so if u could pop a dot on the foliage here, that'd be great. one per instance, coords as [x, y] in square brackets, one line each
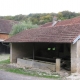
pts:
[21, 26]
[42, 18]
[68, 14]
[60, 16]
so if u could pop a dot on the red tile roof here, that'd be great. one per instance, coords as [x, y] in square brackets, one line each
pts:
[6, 25]
[49, 24]
[63, 22]
[63, 32]
[69, 21]
[59, 34]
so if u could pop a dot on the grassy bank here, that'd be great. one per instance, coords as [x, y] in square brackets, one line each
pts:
[5, 61]
[33, 73]
[4, 66]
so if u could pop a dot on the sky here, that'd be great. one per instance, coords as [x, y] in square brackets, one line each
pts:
[25, 7]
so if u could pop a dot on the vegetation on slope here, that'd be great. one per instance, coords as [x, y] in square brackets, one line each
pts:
[42, 18]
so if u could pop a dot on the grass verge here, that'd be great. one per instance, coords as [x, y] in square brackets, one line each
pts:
[5, 61]
[33, 73]
[3, 65]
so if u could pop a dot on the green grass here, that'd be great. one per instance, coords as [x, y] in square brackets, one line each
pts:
[5, 61]
[3, 65]
[33, 73]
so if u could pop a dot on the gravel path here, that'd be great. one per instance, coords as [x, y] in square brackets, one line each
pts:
[12, 76]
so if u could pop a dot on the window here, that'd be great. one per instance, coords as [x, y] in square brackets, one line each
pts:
[53, 48]
[49, 49]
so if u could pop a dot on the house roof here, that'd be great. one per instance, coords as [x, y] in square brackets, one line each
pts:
[49, 24]
[6, 25]
[59, 34]
[63, 22]
[66, 31]
[71, 21]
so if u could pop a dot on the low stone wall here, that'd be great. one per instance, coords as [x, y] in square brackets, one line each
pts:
[36, 64]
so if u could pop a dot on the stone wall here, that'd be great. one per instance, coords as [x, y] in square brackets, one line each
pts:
[20, 50]
[36, 64]
[75, 57]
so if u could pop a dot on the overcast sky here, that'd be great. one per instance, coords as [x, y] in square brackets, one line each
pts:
[15, 7]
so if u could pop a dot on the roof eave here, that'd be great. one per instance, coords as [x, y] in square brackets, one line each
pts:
[76, 39]
[33, 42]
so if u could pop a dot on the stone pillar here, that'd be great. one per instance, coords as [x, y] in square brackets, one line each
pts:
[78, 56]
[10, 52]
[75, 57]
[58, 65]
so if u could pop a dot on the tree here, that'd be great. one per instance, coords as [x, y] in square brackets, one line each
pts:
[60, 16]
[68, 14]
[42, 18]
[21, 26]
[19, 17]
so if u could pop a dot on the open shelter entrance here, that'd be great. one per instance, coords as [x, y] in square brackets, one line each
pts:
[45, 52]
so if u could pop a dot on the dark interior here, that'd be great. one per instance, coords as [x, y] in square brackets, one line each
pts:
[4, 48]
[52, 51]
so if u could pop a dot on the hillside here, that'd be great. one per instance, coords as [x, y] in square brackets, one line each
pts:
[41, 18]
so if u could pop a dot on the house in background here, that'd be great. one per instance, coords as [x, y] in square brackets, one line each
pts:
[41, 46]
[75, 20]
[5, 28]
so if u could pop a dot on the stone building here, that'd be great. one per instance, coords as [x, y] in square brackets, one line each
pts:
[47, 43]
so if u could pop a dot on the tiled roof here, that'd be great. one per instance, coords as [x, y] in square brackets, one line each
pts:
[49, 24]
[63, 22]
[6, 25]
[69, 21]
[59, 34]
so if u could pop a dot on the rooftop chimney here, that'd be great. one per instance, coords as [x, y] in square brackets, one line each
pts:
[54, 20]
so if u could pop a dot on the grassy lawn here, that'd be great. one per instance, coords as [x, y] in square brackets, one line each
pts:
[3, 65]
[33, 73]
[5, 61]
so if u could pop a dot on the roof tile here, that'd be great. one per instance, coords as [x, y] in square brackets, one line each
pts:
[62, 34]
[6, 25]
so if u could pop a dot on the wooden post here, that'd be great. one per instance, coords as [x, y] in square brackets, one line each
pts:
[33, 51]
[58, 65]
